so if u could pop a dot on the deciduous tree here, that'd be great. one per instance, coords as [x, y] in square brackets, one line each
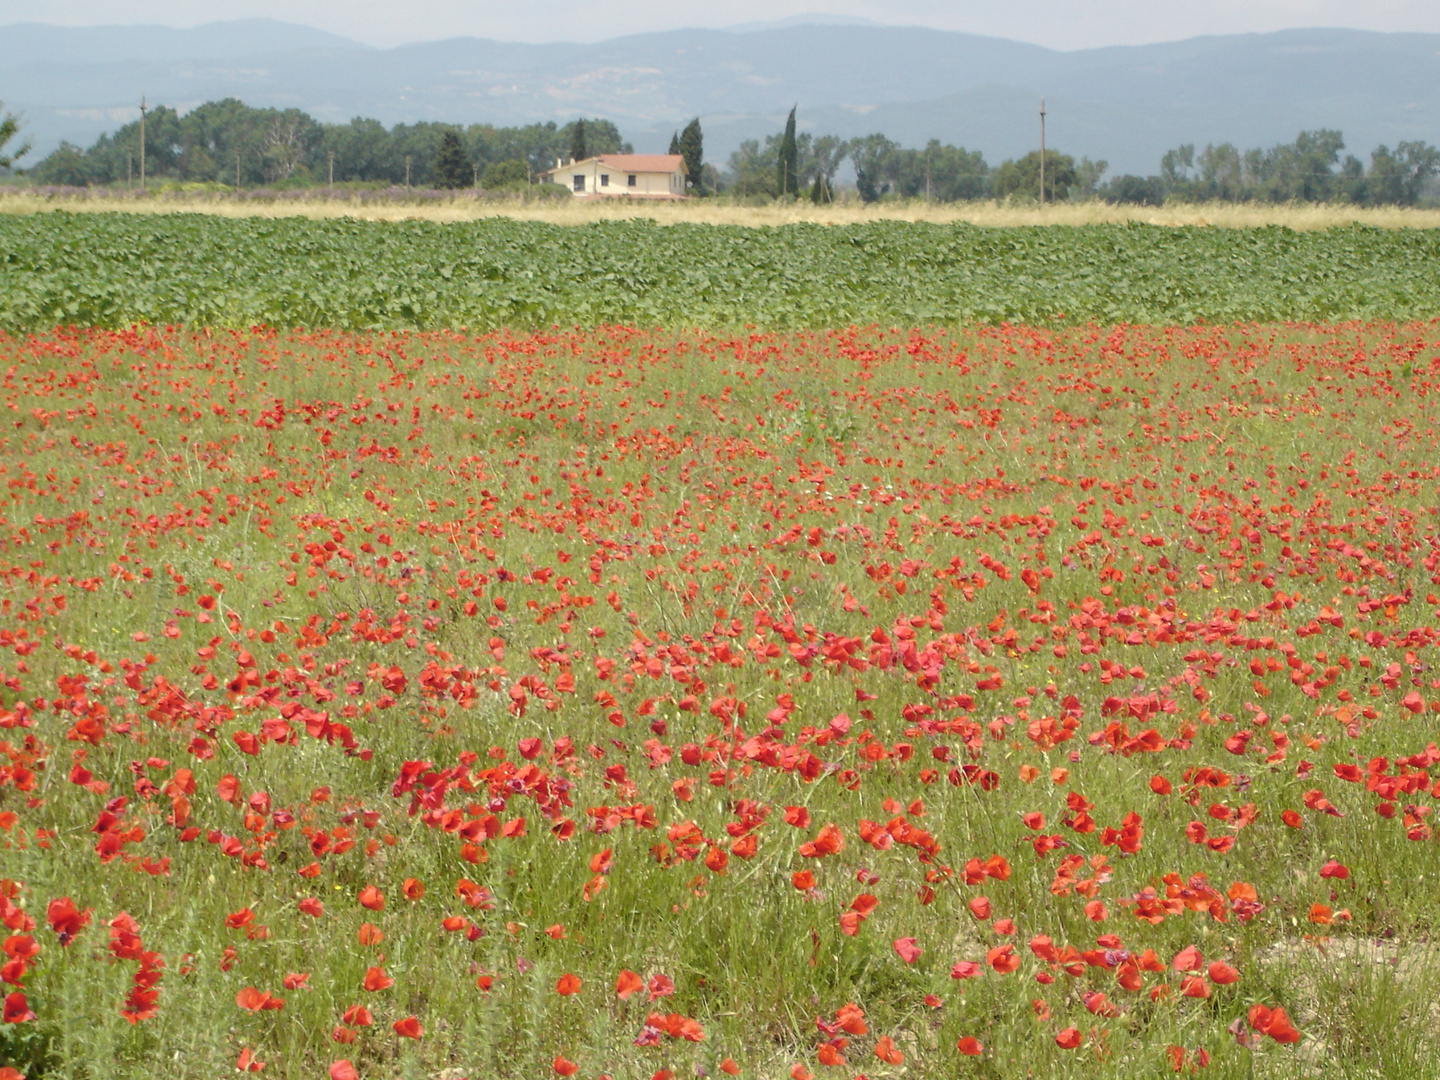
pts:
[9, 128]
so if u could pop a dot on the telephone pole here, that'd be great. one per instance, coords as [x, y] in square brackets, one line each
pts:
[142, 142]
[407, 174]
[1042, 151]
[332, 168]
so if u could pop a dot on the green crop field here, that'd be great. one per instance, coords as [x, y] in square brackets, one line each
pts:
[116, 270]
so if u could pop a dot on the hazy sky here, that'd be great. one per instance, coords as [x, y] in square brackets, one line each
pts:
[1062, 24]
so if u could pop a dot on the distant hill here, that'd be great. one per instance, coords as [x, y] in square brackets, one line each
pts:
[39, 43]
[1127, 105]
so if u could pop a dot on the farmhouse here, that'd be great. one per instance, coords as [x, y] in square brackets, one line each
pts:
[645, 176]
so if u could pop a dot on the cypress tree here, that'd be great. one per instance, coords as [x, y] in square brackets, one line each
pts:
[787, 172]
[692, 146]
[674, 143]
[451, 170]
[577, 141]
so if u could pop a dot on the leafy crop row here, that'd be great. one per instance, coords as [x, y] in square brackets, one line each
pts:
[112, 271]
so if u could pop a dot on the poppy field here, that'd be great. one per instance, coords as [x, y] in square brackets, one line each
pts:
[1003, 702]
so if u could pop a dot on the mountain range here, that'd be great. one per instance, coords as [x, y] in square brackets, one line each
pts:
[1126, 104]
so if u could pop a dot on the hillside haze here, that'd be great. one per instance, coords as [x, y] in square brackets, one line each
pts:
[1124, 104]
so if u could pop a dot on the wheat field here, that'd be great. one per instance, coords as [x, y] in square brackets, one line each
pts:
[990, 213]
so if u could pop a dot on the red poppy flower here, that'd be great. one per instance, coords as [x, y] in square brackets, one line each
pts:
[1222, 974]
[254, 1000]
[1273, 1022]
[247, 1061]
[343, 1070]
[850, 1018]
[567, 985]
[17, 1009]
[887, 1052]
[970, 1046]
[1003, 959]
[372, 898]
[1188, 959]
[907, 949]
[1069, 1039]
[409, 1028]
[627, 984]
[65, 920]
[376, 979]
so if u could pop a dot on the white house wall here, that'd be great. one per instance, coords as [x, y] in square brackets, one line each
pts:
[645, 183]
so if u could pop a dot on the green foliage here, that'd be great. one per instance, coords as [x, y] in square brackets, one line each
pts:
[288, 147]
[452, 169]
[691, 145]
[873, 156]
[1308, 170]
[579, 150]
[753, 168]
[787, 160]
[505, 174]
[1022, 177]
[9, 128]
[114, 270]
[1397, 178]
[1134, 190]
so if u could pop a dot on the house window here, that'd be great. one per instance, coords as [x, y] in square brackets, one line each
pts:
[604, 179]
[630, 181]
[579, 183]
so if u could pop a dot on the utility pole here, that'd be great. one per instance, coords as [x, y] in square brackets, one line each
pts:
[1042, 152]
[142, 142]
[332, 168]
[237, 168]
[129, 170]
[927, 175]
[407, 174]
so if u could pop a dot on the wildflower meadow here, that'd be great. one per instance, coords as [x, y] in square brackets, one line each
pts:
[617, 702]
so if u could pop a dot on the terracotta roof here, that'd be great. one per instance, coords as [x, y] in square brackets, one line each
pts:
[650, 163]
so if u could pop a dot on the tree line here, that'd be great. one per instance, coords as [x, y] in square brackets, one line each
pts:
[229, 142]
[232, 143]
[1310, 169]
[806, 165]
